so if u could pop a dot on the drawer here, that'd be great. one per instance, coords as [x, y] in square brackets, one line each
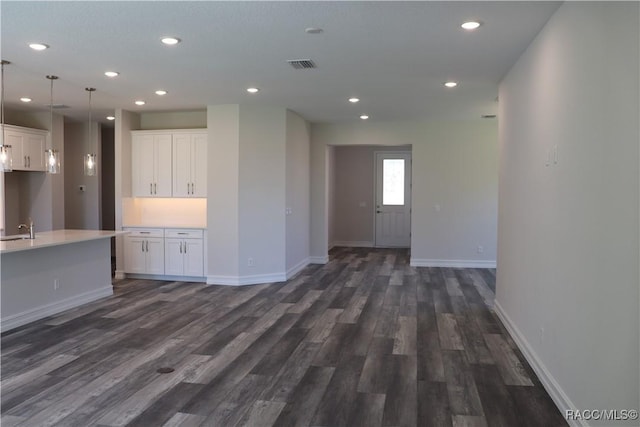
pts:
[145, 232]
[184, 233]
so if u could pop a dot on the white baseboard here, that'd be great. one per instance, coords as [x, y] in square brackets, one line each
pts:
[119, 275]
[46, 310]
[319, 259]
[452, 263]
[256, 279]
[550, 384]
[354, 243]
[199, 279]
[297, 268]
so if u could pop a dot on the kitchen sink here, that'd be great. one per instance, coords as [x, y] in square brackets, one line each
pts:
[13, 238]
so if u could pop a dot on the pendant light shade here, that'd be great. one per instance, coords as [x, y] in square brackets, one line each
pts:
[53, 156]
[5, 150]
[90, 164]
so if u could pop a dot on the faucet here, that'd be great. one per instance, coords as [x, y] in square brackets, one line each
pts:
[32, 233]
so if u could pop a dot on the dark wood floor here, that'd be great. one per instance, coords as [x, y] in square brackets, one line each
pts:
[364, 340]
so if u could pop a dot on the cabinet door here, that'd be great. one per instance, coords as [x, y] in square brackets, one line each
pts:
[155, 255]
[193, 258]
[134, 255]
[142, 165]
[173, 257]
[182, 165]
[19, 159]
[199, 165]
[162, 170]
[33, 148]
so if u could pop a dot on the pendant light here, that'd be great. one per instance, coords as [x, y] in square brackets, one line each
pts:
[90, 165]
[5, 150]
[53, 156]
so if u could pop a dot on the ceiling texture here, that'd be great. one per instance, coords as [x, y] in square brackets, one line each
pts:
[394, 56]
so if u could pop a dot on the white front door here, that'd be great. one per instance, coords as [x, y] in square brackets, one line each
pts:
[393, 199]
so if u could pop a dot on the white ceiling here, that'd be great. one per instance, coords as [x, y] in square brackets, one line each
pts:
[394, 56]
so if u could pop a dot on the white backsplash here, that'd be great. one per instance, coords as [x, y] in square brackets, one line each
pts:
[160, 212]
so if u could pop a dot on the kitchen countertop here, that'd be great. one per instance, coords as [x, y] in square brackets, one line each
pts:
[55, 238]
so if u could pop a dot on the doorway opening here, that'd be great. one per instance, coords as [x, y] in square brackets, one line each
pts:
[352, 198]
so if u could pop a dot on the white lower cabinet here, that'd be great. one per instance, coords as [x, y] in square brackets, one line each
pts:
[144, 251]
[168, 252]
[183, 252]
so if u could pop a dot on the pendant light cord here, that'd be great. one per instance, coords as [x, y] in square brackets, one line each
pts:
[90, 90]
[51, 79]
[2, 98]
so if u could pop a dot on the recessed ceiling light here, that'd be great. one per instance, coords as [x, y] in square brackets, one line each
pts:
[170, 40]
[161, 92]
[110, 118]
[38, 46]
[140, 102]
[111, 73]
[313, 30]
[253, 90]
[364, 117]
[451, 84]
[471, 25]
[354, 100]
[25, 99]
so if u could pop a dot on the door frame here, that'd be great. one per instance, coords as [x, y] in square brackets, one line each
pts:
[408, 152]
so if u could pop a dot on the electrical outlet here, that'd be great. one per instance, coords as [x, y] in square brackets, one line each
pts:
[250, 262]
[56, 284]
[480, 249]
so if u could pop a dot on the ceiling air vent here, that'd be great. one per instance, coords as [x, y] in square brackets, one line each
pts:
[301, 64]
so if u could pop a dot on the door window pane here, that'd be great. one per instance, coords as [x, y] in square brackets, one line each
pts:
[393, 182]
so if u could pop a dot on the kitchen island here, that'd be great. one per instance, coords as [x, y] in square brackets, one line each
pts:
[56, 271]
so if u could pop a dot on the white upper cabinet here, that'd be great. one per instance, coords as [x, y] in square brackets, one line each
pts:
[190, 165]
[27, 147]
[169, 163]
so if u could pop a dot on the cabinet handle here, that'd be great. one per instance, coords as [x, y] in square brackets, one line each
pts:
[185, 247]
[147, 246]
[155, 188]
[29, 161]
[25, 161]
[150, 188]
[142, 246]
[193, 189]
[188, 191]
[180, 247]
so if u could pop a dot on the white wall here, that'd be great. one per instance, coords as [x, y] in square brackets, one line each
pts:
[329, 199]
[454, 166]
[83, 209]
[223, 124]
[262, 190]
[124, 123]
[173, 120]
[297, 192]
[568, 248]
[246, 194]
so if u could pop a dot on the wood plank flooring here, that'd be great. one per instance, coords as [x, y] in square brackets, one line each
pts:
[365, 340]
